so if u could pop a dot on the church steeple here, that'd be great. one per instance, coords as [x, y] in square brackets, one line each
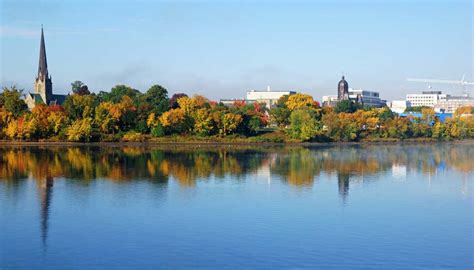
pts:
[43, 63]
[43, 83]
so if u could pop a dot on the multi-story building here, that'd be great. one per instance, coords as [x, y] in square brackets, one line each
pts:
[330, 100]
[399, 106]
[439, 101]
[364, 97]
[426, 98]
[367, 98]
[269, 97]
[449, 104]
[232, 101]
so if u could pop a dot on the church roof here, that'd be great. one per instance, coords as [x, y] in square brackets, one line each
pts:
[59, 99]
[35, 97]
[55, 99]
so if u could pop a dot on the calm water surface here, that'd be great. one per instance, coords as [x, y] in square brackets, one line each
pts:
[378, 207]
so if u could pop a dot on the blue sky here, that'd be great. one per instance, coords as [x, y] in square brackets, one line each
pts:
[223, 48]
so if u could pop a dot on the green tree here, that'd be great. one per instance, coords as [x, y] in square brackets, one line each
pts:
[119, 91]
[398, 128]
[157, 98]
[84, 90]
[385, 113]
[156, 101]
[345, 106]
[281, 103]
[254, 124]
[303, 125]
[10, 99]
[76, 86]
[280, 116]
[80, 106]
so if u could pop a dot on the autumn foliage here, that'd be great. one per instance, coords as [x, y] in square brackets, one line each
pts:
[126, 114]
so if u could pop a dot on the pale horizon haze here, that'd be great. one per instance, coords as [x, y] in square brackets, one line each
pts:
[221, 49]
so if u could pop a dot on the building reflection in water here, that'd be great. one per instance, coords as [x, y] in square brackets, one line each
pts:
[343, 185]
[46, 193]
[295, 166]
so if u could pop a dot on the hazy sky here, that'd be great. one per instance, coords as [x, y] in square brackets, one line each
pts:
[221, 49]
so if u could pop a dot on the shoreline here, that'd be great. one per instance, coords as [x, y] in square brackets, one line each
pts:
[230, 143]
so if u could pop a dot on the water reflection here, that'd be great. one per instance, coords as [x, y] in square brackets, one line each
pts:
[297, 166]
[46, 192]
[186, 165]
[343, 185]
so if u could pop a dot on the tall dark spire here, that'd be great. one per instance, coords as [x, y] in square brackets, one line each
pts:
[43, 64]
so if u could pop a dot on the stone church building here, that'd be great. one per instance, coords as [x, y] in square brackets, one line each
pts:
[43, 85]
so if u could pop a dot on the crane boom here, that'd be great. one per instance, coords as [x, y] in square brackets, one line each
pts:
[461, 82]
[434, 81]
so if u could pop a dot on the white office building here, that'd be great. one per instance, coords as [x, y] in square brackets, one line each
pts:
[330, 100]
[426, 98]
[232, 102]
[269, 97]
[399, 106]
[368, 98]
[449, 104]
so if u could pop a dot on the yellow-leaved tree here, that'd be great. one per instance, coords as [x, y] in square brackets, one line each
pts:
[463, 110]
[229, 123]
[80, 130]
[299, 101]
[203, 122]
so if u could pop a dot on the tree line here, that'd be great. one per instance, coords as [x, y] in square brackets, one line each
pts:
[126, 114]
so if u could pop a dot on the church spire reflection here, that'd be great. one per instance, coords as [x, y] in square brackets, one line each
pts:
[343, 185]
[46, 193]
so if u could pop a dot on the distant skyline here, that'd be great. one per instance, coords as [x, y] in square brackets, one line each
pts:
[221, 49]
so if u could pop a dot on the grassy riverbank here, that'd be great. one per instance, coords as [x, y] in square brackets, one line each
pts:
[273, 138]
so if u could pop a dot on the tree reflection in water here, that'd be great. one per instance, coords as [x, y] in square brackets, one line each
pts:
[296, 166]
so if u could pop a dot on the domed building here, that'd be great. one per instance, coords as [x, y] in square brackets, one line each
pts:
[342, 89]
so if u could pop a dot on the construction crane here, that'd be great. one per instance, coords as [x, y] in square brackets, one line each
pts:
[461, 82]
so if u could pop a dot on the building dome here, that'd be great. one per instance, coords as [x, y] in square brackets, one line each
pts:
[342, 89]
[343, 83]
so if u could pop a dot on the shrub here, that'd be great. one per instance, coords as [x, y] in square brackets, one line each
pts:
[158, 131]
[133, 136]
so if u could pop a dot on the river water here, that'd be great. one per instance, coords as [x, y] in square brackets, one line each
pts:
[338, 207]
